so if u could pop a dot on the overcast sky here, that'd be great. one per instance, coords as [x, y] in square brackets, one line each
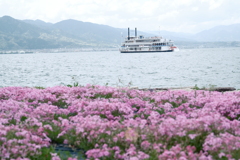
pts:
[190, 16]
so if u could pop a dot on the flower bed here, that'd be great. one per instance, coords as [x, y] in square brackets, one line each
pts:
[119, 123]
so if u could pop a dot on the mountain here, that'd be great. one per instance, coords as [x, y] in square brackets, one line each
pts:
[220, 33]
[94, 33]
[90, 32]
[86, 31]
[39, 23]
[65, 34]
[175, 36]
[16, 34]
[37, 34]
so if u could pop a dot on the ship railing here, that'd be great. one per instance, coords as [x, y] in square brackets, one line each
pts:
[154, 37]
[160, 45]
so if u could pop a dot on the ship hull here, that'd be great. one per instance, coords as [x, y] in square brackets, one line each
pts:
[145, 51]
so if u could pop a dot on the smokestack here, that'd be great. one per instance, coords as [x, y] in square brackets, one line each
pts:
[135, 32]
[128, 33]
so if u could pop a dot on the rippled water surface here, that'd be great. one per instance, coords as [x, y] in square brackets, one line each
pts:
[186, 68]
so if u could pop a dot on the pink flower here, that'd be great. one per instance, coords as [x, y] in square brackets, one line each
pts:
[55, 156]
[65, 141]
[133, 158]
[220, 155]
[192, 136]
[70, 158]
[145, 145]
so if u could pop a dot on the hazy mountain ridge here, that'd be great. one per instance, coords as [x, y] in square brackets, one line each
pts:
[216, 34]
[16, 34]
[37, 34]
[39, 23]
[221, 33]
[89, 32]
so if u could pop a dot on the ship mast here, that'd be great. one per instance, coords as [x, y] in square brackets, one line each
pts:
[136, 32]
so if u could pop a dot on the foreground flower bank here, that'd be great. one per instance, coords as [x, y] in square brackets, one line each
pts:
[103, 122]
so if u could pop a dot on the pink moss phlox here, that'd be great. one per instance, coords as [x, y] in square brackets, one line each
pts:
[126, 123]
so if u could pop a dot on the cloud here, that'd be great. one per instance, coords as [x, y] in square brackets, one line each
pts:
[195, 8]
[168, 16]
[213, 4]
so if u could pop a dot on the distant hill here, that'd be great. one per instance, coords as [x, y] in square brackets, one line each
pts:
[37, 34]
[16, 34]
[88, 32]
[175, 36]
[39, 23]
[220, 33]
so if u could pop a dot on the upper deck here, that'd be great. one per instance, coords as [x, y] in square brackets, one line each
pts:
[142, 39]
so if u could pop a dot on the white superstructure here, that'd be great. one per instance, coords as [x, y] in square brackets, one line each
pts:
[139, 44]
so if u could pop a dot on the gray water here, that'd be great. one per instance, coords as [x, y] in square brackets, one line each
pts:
[188, 67]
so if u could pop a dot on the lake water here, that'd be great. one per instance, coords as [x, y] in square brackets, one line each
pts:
[186, 68]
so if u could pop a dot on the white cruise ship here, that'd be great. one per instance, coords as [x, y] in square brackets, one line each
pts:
[140, 44]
